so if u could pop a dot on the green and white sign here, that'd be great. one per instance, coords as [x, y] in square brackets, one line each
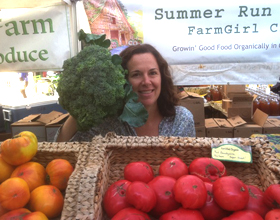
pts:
[189, 32]
[34, 39]
[232, 153]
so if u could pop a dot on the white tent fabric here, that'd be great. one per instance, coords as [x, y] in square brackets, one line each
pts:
[8, 4]
[226, 73]
[183, 74]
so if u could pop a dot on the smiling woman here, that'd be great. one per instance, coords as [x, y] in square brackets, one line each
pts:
[150, 78]
[145, 78]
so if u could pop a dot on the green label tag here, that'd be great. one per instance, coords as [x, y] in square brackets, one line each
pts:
[233, 153]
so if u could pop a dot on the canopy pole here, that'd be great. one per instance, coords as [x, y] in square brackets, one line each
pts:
[74, 28]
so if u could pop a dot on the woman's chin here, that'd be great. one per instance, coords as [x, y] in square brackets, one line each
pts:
[148, 105]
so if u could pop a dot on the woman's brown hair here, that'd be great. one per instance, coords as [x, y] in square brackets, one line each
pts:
[168, 97]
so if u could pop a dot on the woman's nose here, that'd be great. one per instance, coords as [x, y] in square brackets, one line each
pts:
[146, 79]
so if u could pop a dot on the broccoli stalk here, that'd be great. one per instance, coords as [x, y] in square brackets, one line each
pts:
[92, 87]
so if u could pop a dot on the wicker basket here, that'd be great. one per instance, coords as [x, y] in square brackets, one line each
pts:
[78, 198]
[122, 150]
[78, 202]
[101, 162]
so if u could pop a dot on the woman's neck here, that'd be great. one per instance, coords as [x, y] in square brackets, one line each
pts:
[151, 127]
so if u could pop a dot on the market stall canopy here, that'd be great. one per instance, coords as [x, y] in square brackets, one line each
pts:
[215, 42]
[8, 4]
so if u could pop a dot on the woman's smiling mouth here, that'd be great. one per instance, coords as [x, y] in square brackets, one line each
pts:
[146, 92]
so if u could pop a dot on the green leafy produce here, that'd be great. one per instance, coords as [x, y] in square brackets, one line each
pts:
[94, 39]
[134, 113]
[92, 87]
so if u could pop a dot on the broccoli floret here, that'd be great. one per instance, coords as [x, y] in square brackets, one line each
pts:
[91, 87]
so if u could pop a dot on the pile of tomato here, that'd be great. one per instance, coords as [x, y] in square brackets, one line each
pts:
[28, 190]
[202, 190]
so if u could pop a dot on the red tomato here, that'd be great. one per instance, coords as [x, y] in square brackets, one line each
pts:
[33, 173]
[190, 191]
[272, 196]
[211, 210]
[131, 214]
[19, 149]
[273, 214]
[138, 171]
[59, 172]
[208, 169]
[163, 187]
[141, 196]
[256, 201]
[6, 169]
[14, 193]
[47, 199]
[35, 216]
[115, 198]
[244, 215]
[173, 167]
[230, 193]
[15, 214]
[2, 210]
[182, 214]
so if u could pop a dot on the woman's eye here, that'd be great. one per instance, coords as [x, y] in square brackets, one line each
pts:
[153, 73]
[135, 75]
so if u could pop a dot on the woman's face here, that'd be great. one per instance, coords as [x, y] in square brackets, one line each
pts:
[145, 78]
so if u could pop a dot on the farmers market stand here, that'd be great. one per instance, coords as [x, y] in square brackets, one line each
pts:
[101, 162]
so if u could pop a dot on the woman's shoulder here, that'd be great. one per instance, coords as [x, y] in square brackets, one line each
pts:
[182, 124]
[185, 121]
[182, 111]
[183, 115]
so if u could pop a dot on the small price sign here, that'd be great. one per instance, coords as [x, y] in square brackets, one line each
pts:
[233, 153]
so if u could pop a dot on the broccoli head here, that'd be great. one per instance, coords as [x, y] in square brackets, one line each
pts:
[91, 87]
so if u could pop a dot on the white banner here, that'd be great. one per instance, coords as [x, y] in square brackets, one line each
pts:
[192, 32]
[36, 39]
[226, 73]
[214, 42]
